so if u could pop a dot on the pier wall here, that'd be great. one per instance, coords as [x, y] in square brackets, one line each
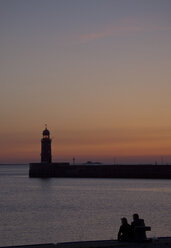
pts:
[100, 171]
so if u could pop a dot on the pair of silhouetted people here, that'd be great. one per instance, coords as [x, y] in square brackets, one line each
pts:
[135, 231]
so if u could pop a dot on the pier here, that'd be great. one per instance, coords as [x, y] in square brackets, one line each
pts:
[146, 171]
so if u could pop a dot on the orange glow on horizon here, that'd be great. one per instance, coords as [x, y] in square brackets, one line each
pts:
[99, 144]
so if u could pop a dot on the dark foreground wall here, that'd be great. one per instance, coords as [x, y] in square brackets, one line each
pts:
[163, 242]
[100, 171]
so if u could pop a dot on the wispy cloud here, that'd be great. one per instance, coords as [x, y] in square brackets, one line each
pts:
[120, 28]
[107, 33]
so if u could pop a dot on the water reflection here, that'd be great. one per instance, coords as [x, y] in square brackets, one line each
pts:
[58, 209]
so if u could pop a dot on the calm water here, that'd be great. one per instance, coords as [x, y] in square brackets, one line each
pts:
[57, 210]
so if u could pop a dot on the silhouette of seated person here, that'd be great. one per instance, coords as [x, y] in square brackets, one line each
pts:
[138, 228]
[125, 231]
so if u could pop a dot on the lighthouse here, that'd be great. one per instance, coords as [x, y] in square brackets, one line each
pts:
[46, 156]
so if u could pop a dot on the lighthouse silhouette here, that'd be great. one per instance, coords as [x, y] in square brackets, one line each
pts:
[46, 156]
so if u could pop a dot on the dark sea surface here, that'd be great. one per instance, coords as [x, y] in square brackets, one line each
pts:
[55, 210]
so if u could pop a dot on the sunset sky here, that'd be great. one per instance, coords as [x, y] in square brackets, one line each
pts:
[97, 72]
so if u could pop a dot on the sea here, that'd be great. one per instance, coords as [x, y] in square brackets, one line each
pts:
[34, 210]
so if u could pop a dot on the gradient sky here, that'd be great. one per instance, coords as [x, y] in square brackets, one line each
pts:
[98, 72]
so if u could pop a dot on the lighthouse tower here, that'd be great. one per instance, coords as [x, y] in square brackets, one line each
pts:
[46, 156]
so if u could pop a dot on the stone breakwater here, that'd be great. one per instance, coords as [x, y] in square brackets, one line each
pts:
[100, 171]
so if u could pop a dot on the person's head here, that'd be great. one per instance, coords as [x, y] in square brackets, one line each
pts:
[135, 216]
[124, 220]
